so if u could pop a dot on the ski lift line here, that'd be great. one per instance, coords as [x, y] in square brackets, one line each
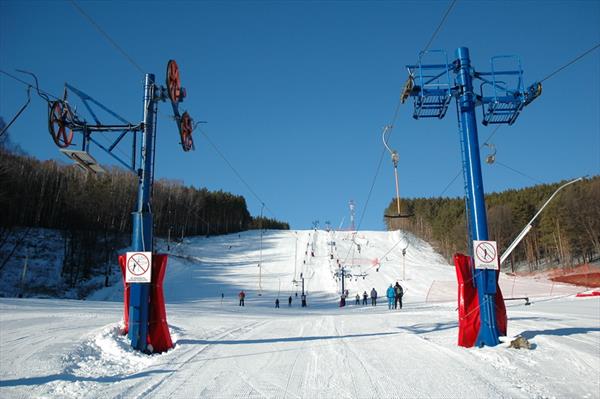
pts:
[570, 62]
[39, 91]
[5, 129]
[400, 101]
[106, 36]
[521, 173]
[431, 39]
[213, 145]
[364, 210]
[460, 171]
[437, 30]
[37, 84]
[386, 254]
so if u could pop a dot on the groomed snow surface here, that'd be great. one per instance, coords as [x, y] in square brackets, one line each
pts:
[72, 349]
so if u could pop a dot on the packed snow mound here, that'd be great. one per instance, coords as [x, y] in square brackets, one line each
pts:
[205, 269]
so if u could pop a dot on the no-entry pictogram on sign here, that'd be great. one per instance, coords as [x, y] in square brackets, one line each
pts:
[485, 254]
[139, 267]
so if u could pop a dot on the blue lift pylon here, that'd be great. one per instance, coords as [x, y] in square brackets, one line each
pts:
[63, 122]
[502, 97]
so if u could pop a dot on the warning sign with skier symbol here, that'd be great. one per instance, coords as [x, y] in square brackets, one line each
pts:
[139, 267]
[486, 255]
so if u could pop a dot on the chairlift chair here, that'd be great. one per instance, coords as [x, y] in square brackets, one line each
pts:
[491, 158]
[431, 88]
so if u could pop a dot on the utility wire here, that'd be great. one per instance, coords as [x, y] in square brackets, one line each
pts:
[397, 110]
[371, 190]
[431, 39]
[29, 84]
[570, 62]
[214, 146]
[459, 172]
[519, 172]
[439, 26]
[450, 184]
[393, 121]
[106, 36]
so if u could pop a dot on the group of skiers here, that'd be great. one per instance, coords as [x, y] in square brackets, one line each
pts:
[394, 295]
[242, 298]
[303, 297]
[365, 296]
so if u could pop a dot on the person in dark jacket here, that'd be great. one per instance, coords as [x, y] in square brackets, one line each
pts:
[365, 296]
[373, 297]
[399, 292]
[277, 302]
[242, 296]
[290, 301]
[342, 301]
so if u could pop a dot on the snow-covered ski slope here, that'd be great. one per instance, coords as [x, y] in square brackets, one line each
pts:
[71, 349]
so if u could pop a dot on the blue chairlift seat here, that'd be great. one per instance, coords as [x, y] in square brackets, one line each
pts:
[502, 97]
[432, 86]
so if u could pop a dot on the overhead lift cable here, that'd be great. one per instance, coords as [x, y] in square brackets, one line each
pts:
[395, 117]
[214, 146]
[570, 62]
[44, 95]
[107, 36]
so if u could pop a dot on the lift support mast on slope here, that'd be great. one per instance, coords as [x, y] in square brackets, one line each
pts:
[502, 97]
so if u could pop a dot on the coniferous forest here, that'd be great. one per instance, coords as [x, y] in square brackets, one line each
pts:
[566, 233]
[93, 211]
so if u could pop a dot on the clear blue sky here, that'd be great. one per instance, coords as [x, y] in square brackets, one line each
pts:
[296, 93]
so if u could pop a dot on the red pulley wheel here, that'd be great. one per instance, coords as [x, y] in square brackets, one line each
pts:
[185, 131]
[60, 114]
[173, 81]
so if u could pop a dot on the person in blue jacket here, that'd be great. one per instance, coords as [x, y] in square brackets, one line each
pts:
[391, 295]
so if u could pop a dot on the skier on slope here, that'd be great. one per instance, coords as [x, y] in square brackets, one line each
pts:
[399, 294]
[390, 294]
[373, 297]
[242, 296]
[365, 296]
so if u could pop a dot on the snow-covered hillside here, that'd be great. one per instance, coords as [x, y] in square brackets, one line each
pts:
[64, 348]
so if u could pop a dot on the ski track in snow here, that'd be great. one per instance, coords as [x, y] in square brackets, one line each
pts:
[72, 349]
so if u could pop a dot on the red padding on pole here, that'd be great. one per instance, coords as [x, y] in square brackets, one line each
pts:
[158, 330]
[501, 318]
[468, 302]
[122, 261]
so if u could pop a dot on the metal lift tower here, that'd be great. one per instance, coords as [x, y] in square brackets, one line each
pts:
[502, 97]
[63, 121]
